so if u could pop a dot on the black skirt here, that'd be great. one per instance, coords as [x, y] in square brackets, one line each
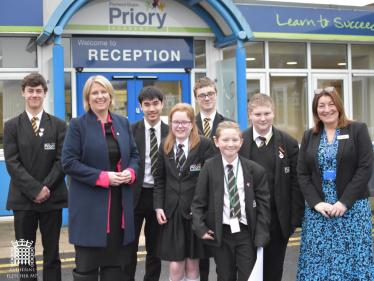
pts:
[178, 241]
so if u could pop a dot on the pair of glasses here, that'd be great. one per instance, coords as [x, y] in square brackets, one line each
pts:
[209, 95]
[183, 123]
[325, 89]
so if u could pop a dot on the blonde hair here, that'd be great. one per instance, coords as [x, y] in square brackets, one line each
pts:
[103, 82]
[194, 134]
[204, 82]
[343, 120]
[260, 100]
[228, 125]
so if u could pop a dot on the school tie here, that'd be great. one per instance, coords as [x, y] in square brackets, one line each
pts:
[33, 124]
[263, 141]
[234, 194]
[207, 129]
[153, 151]
[180, 159]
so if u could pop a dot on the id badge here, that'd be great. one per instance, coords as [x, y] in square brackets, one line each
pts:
[329, 175]
[234, 225]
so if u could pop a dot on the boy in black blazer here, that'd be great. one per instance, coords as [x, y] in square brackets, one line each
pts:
[37, 192]
[232, 191]
[277, 152]
[151, 102]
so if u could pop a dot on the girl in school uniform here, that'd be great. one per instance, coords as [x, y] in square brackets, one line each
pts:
[233, 193]
[181, 156]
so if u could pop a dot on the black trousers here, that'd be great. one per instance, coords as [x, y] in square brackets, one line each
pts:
[275, 251]
[144, 211]
[236, 257]
[25, 227]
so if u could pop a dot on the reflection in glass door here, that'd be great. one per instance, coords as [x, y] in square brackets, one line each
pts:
[339, 82]
[255, 85]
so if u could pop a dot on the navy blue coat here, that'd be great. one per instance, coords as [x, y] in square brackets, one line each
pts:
[84, 157]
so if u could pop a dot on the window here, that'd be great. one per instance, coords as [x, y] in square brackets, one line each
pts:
[329, 56]
[287, 55]
[254, 54]
[200, 53]
[362, 56]
[17, 52]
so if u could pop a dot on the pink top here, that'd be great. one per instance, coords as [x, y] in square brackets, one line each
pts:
[103, 179]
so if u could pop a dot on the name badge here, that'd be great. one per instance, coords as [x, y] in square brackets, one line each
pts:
[195, 167]
[329, 175]
[234, 225]
[50, 146]
[343, 137]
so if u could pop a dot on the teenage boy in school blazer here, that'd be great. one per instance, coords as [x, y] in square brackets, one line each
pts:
[151, 102]
[205, 91]
[37, 190]
[210, 199]
[278, 155]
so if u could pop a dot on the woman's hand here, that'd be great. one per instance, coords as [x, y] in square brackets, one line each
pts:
[208, 235]
[324, 208]
[116, 178]
[126, 176]
[161, 218]
[338, 209]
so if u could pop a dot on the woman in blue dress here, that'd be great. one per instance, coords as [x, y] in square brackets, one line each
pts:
[334, 168]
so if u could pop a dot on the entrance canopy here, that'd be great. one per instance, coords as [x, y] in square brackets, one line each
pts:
[222, 16]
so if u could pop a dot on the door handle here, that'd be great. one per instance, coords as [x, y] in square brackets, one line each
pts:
[146, 77]
[123, 77]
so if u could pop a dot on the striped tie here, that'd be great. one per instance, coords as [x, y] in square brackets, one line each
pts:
[207, 130]
[263, 141]
[33, 124]
[234, 195]
[153, 151]
[180, 159]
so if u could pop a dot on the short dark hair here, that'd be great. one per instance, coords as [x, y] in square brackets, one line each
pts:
[149, 93]
[33, 80]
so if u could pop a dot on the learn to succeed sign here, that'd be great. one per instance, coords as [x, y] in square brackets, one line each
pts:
[297, 22]
[132, 52]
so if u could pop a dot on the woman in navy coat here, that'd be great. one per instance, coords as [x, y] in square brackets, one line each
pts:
[101, 158]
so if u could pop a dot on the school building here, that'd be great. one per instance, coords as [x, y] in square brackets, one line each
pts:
[285, 50]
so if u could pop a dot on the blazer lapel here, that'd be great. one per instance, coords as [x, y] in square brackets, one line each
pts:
[44, 124]
[26, 125]
[164, 131]
[219, 190]
[277, 143]
[189, 161]
[343, 131]
[140, 139]
[249, 142]
[216, 122]
[199, 124]
[315, 143]
[249, 194]
[172, 163]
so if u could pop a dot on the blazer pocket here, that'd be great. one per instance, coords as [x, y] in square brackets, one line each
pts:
[210, 221]
[49, 145]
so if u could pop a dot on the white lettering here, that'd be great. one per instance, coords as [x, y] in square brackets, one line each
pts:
[117, 58]
[104, 54]
[175, 56]
[165, 57]
[137, 54]
[127, 55]
[92, 54]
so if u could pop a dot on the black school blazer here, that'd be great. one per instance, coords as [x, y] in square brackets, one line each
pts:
[354, 165]
[170, 191]
[209, 198]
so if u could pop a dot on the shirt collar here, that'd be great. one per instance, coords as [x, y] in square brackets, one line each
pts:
[39, 115]
[147, 126]
[212, 116]
[185, 143]
[256, 135]
[109, 118]
[234, 163]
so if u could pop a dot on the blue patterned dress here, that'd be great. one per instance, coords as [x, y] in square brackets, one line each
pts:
[336, 248]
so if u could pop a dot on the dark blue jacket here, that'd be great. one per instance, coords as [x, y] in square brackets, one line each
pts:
[84, 157]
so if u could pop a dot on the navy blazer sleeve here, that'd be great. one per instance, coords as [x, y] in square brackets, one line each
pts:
[72, 156]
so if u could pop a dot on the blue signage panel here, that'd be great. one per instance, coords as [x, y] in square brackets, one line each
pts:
[273, 19]
[132, 52]
[21, 13]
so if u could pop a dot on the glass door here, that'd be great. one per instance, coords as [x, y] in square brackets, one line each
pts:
[175, 87]
[255, 84]
[339, 82]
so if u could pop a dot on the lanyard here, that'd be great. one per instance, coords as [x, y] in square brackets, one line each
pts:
[227, 184]
[329, 149]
